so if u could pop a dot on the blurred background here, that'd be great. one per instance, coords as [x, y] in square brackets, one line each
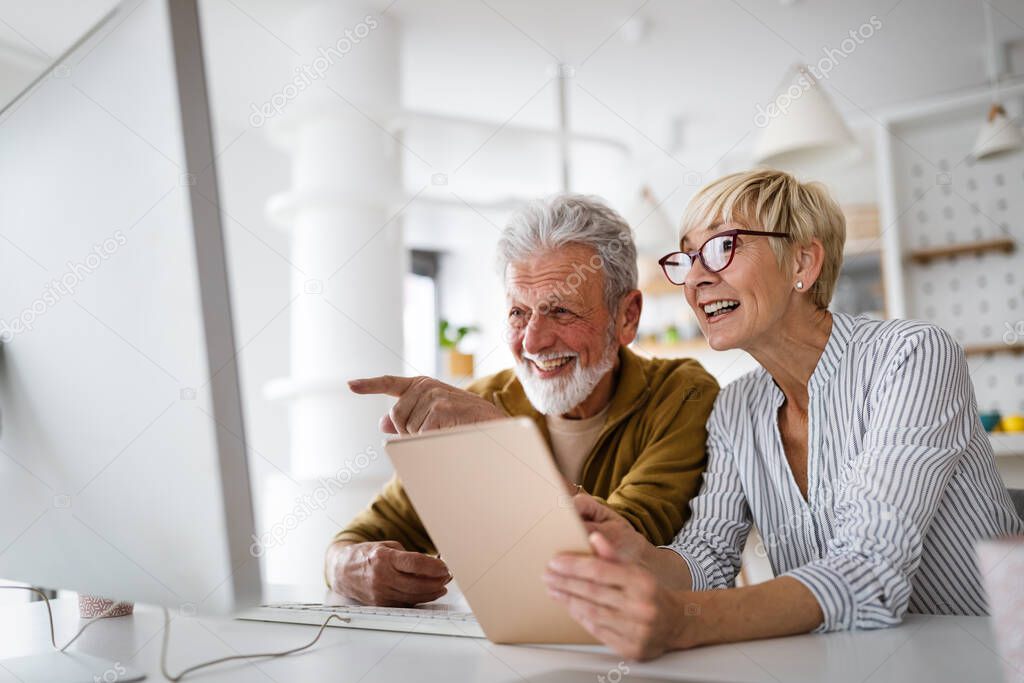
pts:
[371, 152]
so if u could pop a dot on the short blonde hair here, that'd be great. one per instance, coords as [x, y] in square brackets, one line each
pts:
[768, 199]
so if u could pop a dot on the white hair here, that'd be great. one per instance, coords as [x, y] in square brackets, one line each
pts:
[566, 219]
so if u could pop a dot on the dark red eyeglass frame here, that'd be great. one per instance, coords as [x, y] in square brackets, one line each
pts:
[699, 253]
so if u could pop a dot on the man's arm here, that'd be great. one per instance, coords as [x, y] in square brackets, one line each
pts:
[383, 573]
[425, 403]
[381, 557]
[654, 495]
[389, 517]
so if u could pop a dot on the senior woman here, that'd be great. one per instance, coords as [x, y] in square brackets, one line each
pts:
[855, 449]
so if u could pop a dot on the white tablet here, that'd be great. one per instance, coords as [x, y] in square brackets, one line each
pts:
[498, 510]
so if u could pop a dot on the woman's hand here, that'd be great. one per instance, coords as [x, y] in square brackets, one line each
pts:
[619, 602]
[628, 544]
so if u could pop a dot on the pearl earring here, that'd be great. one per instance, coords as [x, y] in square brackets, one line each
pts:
[799, 284]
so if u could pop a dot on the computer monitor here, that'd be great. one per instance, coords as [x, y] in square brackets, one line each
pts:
[123, 468]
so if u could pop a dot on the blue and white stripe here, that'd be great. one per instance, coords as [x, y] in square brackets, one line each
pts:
[901, 480]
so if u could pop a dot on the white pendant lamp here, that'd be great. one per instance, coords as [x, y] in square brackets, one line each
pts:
[801, 125]
[999, 134]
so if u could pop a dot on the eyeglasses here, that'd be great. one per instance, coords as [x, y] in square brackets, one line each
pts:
[715, 254]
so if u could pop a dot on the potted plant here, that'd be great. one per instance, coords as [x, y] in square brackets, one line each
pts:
[457, 363]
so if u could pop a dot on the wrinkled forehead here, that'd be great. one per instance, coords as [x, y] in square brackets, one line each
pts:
[571, 273]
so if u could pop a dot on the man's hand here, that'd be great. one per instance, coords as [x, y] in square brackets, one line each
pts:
[425, 403]
[383, 573]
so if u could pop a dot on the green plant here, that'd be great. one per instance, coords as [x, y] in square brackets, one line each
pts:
[449, 337]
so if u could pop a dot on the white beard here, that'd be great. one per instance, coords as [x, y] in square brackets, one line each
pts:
[559, 395]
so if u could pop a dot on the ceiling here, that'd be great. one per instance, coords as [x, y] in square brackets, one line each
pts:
[685, 74]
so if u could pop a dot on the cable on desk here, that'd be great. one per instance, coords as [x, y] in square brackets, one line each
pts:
[49, 612]
[203, 665]
[167, 635]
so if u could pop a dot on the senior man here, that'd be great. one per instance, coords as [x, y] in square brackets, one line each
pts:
[628, 430]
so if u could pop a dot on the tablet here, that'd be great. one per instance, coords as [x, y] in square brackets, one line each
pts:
[498, 510]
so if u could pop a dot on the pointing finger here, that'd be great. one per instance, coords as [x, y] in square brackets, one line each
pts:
[391, 385]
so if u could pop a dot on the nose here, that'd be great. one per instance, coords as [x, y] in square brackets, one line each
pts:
[539, 334]
[699, 276]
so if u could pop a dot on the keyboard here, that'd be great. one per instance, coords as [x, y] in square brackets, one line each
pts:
[432, 618]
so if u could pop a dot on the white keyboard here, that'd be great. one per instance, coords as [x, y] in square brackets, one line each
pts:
[430, 618]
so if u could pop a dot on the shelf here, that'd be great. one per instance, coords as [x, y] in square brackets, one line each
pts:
[660, 286]
[924, 256]
[680, 349]
[862, 248]
[1007, 445]
[985, 349]
[1004, 444]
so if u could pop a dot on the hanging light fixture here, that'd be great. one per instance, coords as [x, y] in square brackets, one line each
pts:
[801, 125]
[998, 134]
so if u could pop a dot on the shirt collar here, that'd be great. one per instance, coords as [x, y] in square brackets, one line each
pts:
[835, 349]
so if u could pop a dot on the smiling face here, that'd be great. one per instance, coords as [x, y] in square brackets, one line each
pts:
[742, 303]
[562, 335]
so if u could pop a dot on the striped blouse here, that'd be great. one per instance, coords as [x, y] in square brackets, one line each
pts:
[901, 480]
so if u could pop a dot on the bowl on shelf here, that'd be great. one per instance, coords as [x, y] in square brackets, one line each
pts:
[990, 420]
[1012, 423]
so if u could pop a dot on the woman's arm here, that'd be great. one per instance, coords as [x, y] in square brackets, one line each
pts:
[666, 471]
[706, 552]
[629, 545]
[637, 598]
[922, 415]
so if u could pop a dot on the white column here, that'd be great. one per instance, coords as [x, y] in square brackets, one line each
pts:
[347, 318]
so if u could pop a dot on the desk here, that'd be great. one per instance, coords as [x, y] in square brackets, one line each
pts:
[933, 649]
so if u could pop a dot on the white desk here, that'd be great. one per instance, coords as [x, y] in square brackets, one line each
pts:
[933, 649]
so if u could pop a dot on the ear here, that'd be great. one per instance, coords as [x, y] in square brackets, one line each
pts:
[809, 260]
[628, 317]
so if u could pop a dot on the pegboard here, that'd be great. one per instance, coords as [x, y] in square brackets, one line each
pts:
[946, 198]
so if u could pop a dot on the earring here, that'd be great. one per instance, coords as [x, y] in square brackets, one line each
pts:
[799, 284]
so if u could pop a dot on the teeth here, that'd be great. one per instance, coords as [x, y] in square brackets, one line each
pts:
[552, 363]
[719, 305]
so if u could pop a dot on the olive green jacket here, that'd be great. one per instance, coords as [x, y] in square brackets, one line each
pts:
[646, 464]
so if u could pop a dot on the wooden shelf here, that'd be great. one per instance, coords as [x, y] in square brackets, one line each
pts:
[985, 349]
[1007, 444]
[924, 256]
[680, 349]
[660, 286]
[862, 248]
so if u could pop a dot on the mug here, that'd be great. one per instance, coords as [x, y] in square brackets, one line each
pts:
[89, 606]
